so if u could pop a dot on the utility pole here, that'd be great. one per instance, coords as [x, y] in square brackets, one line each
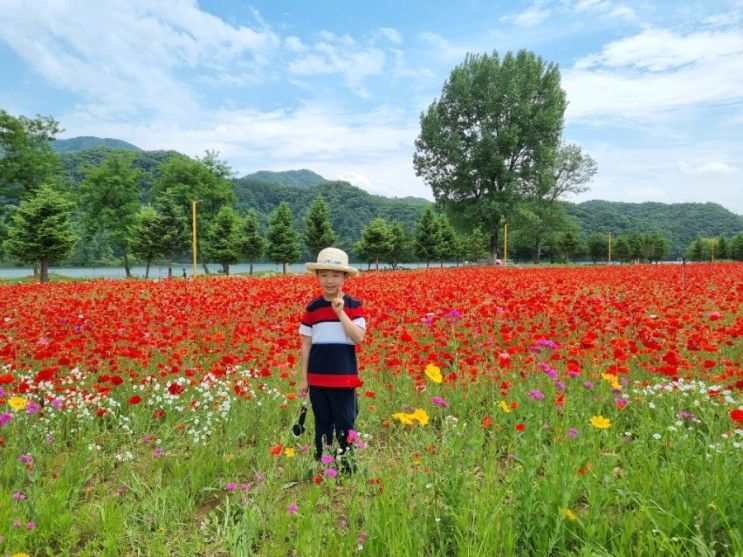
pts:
[609, 248]
[505, 244]
[193, 218]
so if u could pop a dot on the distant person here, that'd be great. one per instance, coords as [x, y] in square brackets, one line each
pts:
[332, 325]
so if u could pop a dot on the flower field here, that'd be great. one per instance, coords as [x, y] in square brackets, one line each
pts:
[594, 411]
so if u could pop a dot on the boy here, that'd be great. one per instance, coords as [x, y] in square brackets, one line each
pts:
[332, 325]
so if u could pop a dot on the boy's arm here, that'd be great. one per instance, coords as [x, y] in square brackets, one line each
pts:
[354, 332]
[304, 359]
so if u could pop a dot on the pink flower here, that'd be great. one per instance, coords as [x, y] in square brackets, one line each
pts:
[572, 432]
[331, 472]
[231, 486]
[18, 496]
[32, 407]
[352, 435]
[438, 401]
[5, 417]
[326, 459]
[157, 453]
[30, 526]
[536, 394]
[292, 509]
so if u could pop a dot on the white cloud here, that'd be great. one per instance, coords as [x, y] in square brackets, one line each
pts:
[623, 12]
[645, 76]
[664, 174]
[124, 57]
[660, 49]
[393, 35]
[338, 57]
[709, 167]
[446, 50]
[529, 18]
[334, 142]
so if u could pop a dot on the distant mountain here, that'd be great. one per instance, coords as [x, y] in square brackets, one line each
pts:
[351, 207]
[89, 142]
[293, 178]
[680, 223]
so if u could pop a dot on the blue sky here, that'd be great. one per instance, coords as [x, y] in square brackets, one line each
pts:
[655, 89]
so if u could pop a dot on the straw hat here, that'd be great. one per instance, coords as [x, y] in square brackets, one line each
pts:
[331, 259]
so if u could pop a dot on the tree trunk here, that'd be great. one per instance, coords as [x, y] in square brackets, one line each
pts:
[44, 274]
[284, 267]
[147, 269]
[538, 252]
[206, 269]
[494, 247]
[251, 267]
[127, 269]
[170, 267]
[377, 263]
[226, 268]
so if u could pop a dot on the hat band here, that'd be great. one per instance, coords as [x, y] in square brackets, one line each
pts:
[329, 262]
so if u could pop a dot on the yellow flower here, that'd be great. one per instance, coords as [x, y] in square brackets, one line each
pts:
[434, 373]
[600, 422]
[503, 406]
[17, 403]
[420, 415]
[403, 418]
[289, 452]
[570, 515]
[612, 379]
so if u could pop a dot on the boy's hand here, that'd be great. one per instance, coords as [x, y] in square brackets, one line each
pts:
[302, 387]
[337, 305]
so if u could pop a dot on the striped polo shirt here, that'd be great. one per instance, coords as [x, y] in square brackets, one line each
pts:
[333, 354]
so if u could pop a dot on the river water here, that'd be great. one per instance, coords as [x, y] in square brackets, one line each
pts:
[159, 271]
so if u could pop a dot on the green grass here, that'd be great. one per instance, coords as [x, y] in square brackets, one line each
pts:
[448, 488]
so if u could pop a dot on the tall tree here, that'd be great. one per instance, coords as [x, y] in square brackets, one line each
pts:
[109, 195]
[283, 246]
[175, 228]
[598, 247]
[202, 180]
[26, 157]
[40, 229]
[622, 249]
[377, 241]
[446, 247]
[736, 247]
[145, 236]
[476, 246]
[428, 236]
[723, 249]
[223, 239]
[491, 136]
[569, 244]
[401, 245]
[252, 244]
[319, 232]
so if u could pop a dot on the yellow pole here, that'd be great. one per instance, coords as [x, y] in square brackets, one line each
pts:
[609, 248]
[505, 245]
[193, 219]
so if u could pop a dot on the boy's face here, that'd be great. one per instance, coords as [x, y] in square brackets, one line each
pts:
[331, 282]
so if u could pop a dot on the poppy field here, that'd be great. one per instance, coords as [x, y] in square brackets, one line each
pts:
[505, 411]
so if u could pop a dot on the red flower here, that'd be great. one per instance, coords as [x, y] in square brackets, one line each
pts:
[520, 427]
[277, 449]
[6, 379]
[100, 412]
[159, 413]
[317, 479]
[487, 421]
[136, 399]
[175, 389]
[737, 415]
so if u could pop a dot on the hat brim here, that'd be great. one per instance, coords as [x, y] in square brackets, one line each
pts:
[327, 267]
